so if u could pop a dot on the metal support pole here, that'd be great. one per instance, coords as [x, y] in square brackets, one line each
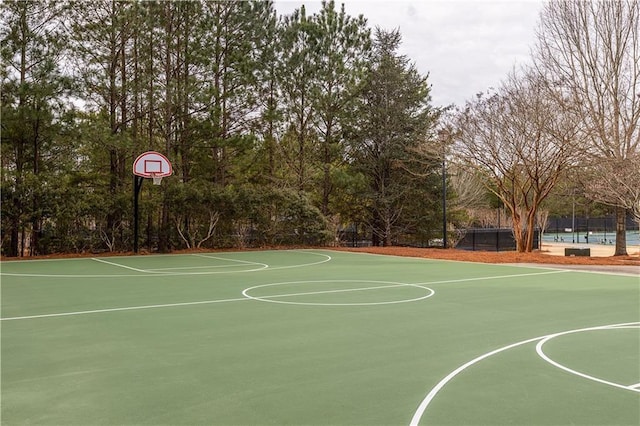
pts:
[498, 232]
[573, 218]
[444, 137]
[137, 184]
[586, 235]
[444, 200]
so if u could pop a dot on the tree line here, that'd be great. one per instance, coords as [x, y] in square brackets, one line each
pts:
[281, 130]
[297, 129]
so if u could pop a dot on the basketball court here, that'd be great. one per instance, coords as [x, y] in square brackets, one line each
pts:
[316, 337]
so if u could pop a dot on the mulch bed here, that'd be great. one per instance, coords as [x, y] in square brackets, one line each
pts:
[429, 253]
[497, 257]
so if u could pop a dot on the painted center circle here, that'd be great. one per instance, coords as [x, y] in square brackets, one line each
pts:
[338, 292]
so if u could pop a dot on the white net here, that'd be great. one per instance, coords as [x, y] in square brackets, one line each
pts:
[156, 179]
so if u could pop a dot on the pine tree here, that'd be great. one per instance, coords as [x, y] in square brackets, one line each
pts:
[395, 119]
[34, 93]
[340, 48]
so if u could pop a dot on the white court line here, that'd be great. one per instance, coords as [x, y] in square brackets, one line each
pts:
[415, 420]
[275, 298]
[194, 267]
[206, 256]
[496, 277]
[247, 297]
[159, 270]
[636, 386]
[327, 259]
[245, 292]
[121, 266]
[311, 293]
[131, 308]
[264, 267]
[556, 364]
[128, 308]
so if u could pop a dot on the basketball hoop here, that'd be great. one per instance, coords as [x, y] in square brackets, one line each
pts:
[152, 165]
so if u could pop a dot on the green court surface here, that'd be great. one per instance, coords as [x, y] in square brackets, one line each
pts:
[315, 337]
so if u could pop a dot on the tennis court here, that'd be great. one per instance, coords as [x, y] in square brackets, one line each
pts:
[315, 337]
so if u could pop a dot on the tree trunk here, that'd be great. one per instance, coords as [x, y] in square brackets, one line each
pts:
[517, 230]
[375, 234]
[621, 232]
[164, 245]
[326, 168]
[531, 230]
[15, 238]
[386, 242]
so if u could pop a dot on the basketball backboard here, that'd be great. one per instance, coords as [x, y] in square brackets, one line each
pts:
[152, 164]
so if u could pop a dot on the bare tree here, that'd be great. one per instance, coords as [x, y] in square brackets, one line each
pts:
[591, 51]
[194, 233]
[468, 187]
[542, 220]
[520, 145]
[616, 182]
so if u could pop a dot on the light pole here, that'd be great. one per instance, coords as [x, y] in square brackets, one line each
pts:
[444, 138]
[573, 218]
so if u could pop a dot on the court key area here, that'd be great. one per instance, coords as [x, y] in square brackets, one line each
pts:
[315, 337]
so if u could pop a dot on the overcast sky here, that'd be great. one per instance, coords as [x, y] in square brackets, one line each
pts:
[466, 46]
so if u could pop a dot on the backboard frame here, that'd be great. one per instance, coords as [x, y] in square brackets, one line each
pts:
[152, 164]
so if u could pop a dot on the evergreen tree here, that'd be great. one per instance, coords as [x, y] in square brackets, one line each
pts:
[340, 48]
[297, 72]
[102, 36]
[395, 120]
[34, 95]
[251, 110]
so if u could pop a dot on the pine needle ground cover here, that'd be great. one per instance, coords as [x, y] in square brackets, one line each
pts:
[315, 337]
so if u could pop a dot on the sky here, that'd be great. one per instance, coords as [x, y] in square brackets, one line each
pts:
[464, 46]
